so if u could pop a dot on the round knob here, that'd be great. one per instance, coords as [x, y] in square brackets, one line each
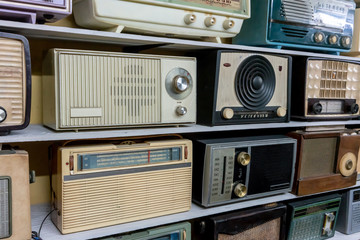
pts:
[243, 158]
[228, 113]
[281, 112]
[346, 41]
[240, 190]
[181, 83]
[3, 114]
[317, 108]
[210, 21]
[228, 24]
[189, 18]
[354, 108]
[333, 39]
[181, 111]
[319, 37]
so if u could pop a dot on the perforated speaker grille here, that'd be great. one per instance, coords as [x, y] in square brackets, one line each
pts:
[5, 221]
[255, 82]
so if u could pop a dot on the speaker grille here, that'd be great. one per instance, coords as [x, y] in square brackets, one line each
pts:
[125, 90]
[5, 221]
[293, 32]
[255, 82]
[298, 11]
[123, 198]
[12, 80]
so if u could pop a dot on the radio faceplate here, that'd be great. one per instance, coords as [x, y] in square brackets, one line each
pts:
[348, 220]
[236, 169]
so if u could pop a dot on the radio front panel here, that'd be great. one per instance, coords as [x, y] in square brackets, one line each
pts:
[35, 10]
[117, 90]
[237, 169]
[349, 214]
[103, 185]
[182, 18]
[314, 218]
[15, 82]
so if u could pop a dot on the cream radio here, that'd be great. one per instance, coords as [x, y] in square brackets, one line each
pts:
[15, 82]
[107, 184]
[194, 18]
[89, 89]
[35, 10]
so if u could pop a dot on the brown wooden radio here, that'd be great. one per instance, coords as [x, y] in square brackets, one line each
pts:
[325, 160]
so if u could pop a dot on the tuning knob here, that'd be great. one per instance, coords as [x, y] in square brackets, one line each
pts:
[228, 113]
[189, 18]
[181, 83]
[243, 158]
[181, 111]
[228, 24]
[240, 190]
[345, 41]
[210, 21]
[354, 108]
[333, 39]
[319, 37]
[317, 108]
[281, 112]
[3, 114]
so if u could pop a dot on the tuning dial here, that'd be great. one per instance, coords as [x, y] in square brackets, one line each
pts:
[317, 108]
[319, 37]
[3, 114]
[181, 111]
[281, 112]
[189, 18]
[345, 41]
[228, 113]
[240, 190]
[228, 24]
[333, 39]
[181, 83]
[210, 21]
[243, 158]
[354, 108]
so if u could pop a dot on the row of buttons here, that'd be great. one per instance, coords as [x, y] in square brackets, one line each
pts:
[209, 21]
[333, 39]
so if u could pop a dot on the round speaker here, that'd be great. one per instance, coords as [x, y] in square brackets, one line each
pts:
[347, 164]
[255, 82]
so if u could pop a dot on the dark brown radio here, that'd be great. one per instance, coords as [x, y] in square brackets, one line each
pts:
[326, 160]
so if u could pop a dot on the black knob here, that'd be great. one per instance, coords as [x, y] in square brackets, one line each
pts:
[354, 108]
[317, 108]
[48, 16]
[3, 114]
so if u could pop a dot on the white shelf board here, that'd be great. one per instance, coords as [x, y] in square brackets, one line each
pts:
[341, 236]
[50, 232]
[37, 133]
[80, 34]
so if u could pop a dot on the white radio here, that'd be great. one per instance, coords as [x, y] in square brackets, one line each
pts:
[91, 89]
[196, 18]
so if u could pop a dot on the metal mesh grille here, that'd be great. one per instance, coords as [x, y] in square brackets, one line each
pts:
[12, 84]
[125, 90]
[298, 11]
[4, 209]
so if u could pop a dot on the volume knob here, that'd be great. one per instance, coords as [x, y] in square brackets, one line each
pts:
[243, 158]
[346, 41]
[3, 114]
[228, 113]
[281, 112]
[319, 37]
[333, 39]
[181, 111]
[181, 83]
[317, 108]
[240, 190]
[210, 21]
[228, 24]
[189, 18]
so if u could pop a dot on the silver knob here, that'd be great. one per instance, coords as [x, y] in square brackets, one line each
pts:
[3, 114]
[345, 41]
[319, 37]
[210, 21]
[333, 39]
[181, 111]
[181, 83]
[189, 18]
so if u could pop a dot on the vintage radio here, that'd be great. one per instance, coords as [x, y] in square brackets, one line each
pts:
[100, 185]
[243, 87]
[15, 220]
[108, 89]
[348, 219]
[263, 222]
[33, 11]
[325, 89]
[15, 82]
[310, 24]
[326, 160]
[313, 218]
[192, 18]
[236, 169]
[179, 231]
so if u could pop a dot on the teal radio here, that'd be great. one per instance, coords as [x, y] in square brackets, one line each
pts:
[314, 218]
[317, 25]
